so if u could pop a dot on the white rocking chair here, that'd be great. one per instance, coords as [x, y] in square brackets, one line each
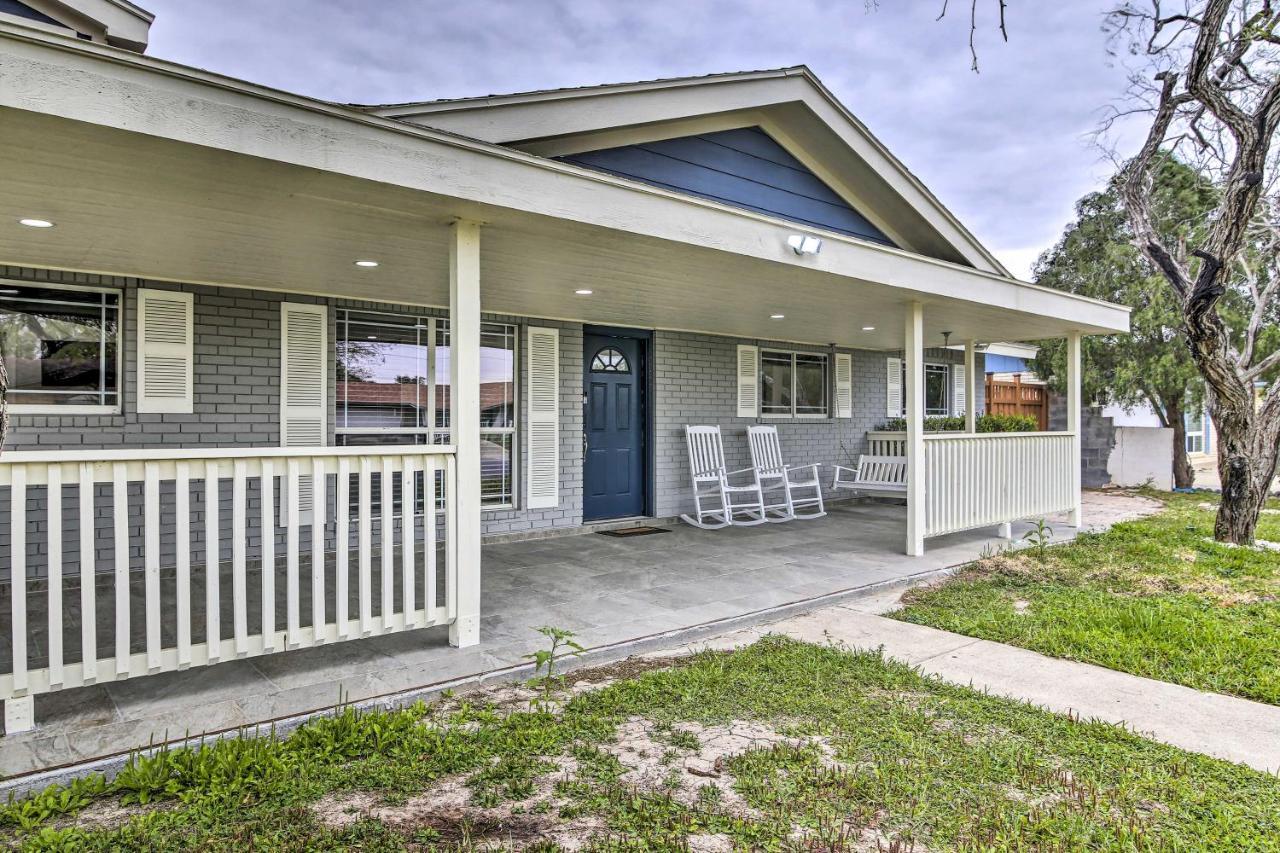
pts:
[730, 504]
[801, 492]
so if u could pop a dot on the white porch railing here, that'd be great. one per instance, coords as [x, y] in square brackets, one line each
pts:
[892, 442]
[977, 480]
[110, 574]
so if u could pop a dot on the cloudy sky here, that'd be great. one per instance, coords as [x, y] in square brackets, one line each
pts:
[1006, 149]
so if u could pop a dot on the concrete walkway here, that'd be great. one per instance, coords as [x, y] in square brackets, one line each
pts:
[1222, 726]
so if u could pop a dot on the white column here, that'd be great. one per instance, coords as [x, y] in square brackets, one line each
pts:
[464, 424]
[1074, 403]
[913, 391]
[970, 388]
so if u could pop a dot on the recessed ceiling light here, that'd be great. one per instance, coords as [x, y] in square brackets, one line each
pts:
[868, 328]
[366, 263]
[36, 223]
[777, 316]
[8, 292]
[583, 292]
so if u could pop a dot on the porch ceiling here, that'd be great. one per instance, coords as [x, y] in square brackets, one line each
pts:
[131, 204]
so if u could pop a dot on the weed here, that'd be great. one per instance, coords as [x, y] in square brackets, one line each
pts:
[1039, 537]
[562, 645]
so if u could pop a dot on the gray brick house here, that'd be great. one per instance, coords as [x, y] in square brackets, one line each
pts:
[295, 360]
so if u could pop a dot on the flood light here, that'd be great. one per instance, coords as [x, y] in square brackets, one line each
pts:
[804, 244]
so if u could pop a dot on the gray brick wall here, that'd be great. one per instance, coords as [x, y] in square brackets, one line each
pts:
[237, 368]
[696, 384]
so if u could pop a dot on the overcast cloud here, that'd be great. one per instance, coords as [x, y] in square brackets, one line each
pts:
[1006, 150]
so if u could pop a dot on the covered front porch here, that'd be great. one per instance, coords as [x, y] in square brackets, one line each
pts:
[220, 519]
[615, 593]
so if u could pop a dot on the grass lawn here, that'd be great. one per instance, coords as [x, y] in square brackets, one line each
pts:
[780, 746]
[1154, 597]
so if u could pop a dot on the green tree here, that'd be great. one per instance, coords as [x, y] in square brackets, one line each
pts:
[1096, 257]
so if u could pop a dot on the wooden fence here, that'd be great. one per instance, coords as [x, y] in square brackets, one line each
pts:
[1018, 398]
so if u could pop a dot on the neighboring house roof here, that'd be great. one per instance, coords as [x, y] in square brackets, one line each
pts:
[114, 22]
[407, 395]
[789, 105]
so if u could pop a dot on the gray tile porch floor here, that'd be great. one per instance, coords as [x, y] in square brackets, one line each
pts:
[608, 590]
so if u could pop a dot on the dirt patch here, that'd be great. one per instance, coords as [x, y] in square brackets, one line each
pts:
[446, 814]
[104, 815]
[679, 760]
[661, 758]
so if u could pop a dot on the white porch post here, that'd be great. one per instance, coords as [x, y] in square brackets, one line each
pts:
[914, 393]
[464, 423]
[970, 389]
[1073, 421]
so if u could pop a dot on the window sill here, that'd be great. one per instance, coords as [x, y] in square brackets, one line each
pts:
[46, 411]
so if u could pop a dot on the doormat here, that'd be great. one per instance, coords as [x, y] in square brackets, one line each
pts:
[641, 530]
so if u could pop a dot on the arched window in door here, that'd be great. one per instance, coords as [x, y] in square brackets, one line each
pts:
[610, 360]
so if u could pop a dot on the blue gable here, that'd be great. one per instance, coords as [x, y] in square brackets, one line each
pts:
[743, 167]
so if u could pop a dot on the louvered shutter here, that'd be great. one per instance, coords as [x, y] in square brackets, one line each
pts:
[893, 406]
[543, 466]
[748, 381]
[844, 385]
[166, 352]
[304, 382]
[958, 401]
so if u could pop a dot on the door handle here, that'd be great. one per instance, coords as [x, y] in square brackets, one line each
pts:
[584, 444]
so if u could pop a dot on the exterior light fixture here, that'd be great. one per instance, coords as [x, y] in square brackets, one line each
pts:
[367, 264]
[804, 244]
[36, 223]
[777, 316]
[868, 328]
[583, 292]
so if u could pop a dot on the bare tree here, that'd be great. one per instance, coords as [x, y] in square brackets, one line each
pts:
[1001, 8]
[1212, 90]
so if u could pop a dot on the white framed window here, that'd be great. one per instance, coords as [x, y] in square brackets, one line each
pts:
[937, 389]
[794, 384]
[392, 387]
[61, 348]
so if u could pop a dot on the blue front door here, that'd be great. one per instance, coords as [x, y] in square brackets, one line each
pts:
[613, 383]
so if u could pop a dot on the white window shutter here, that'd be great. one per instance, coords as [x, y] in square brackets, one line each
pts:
[166, 352]
[844, 385]
[958, 401]
[543, 466]
[304, 384]
[748, 381]
[894, 376]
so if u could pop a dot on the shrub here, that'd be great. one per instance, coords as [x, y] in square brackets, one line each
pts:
[1007, 423]
[984, 423]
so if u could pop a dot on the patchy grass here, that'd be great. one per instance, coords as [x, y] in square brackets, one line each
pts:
[780, 746]
[1155, 597]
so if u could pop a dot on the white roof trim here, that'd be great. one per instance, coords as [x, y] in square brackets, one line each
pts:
[97, 85]
[1013, 350]
[525, 119]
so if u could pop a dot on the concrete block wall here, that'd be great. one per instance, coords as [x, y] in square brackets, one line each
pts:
[1097, 438]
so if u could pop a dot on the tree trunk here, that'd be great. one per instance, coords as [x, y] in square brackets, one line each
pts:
[1184, 475]
[1247, 453]
[4, 404]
